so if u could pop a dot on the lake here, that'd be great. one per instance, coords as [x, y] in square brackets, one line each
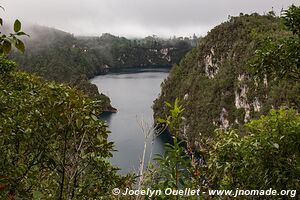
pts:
[132, 92]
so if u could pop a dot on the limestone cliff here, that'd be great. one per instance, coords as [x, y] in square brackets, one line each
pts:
[214, 80]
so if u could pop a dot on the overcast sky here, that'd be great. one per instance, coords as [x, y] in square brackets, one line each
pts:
[135, 17]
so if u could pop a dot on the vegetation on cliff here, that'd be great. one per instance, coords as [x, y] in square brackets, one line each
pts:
[52, 144]
[261, 154]
[215, 80]
[92, 91]
[59, 56]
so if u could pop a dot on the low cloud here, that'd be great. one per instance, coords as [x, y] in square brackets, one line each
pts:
[135, 18]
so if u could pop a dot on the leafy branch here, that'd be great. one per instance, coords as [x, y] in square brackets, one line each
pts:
[12, 39]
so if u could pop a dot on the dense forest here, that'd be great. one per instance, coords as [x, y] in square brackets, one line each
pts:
[231, 105]
[53, 146]
[215, 80]
[59, 56]
[233, 101]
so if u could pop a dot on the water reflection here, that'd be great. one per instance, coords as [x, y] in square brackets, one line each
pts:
[132, 94]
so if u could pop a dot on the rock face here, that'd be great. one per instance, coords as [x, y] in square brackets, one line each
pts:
[215, 83]
[211, 69]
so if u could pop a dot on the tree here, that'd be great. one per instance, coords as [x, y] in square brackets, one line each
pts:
[7, 41]
[52, 142]
[176, 168]
[291, 19]
[266, 157]
[280, 59]
[53, 146]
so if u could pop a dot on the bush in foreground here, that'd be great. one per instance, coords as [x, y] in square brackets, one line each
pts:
[52, 144]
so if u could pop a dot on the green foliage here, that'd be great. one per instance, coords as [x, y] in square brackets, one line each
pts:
[173, 167]
[17, 26]
[6, 66]
[216, 76]
[92, 91]
[174, 119]
[52, 144]
[7, 41]
[291, 19]
[267, 157]
[280, 59]
[263, 154]
[59, 56]
[174, 163]
[56, 55]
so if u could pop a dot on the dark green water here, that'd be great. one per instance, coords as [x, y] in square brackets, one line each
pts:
[132, 92]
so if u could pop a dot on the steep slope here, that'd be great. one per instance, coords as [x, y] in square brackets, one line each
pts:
[57, 55]
[48, 55]
[49, 135]
[151, 51]
[214, 81]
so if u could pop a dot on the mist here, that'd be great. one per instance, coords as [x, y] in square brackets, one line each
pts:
[135, 18]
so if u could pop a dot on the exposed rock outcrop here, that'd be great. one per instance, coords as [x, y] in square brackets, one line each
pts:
[216, 75]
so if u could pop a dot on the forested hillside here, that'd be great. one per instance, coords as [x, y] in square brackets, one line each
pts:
[52, 143]
[59, 56]
[233, 101]
[53, 146]
[232, 105]
[215, 81]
